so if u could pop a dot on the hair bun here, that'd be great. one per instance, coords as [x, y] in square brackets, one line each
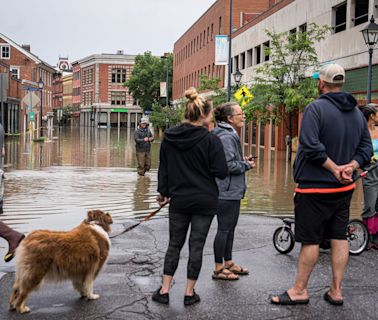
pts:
[191, 93]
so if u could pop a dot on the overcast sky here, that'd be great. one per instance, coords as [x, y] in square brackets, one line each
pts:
[78, 28]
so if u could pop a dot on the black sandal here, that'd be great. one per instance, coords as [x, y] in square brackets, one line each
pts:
[285, 300]
[327, 297]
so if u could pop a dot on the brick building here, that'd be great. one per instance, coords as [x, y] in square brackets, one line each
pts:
[194, 51]
[29, 69]
[344, 45]
[11, 103]
[99, 92]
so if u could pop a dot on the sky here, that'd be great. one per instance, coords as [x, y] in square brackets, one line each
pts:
[78, 28]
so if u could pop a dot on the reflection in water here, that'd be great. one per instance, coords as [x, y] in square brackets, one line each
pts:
[55, 182]
[141, 192]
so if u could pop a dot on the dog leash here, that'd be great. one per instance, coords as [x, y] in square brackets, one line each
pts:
[143, 220]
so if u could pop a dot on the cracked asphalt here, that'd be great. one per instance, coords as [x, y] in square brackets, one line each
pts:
[134, 271]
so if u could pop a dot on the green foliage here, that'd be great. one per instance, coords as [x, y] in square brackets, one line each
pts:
[67, 110]
[208, 84]
[282, 85]
[163, 117]
[219, 95]
[144, 83]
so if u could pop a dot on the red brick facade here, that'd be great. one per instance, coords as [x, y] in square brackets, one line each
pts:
[194, 52]
[29, 69]
[99, 92]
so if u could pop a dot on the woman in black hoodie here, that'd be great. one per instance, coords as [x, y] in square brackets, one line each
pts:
[190, 160]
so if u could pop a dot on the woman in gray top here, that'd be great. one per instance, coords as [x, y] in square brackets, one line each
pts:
[230, 118]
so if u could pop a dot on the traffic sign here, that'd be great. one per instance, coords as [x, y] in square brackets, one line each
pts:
[27, 88]
[31, 116]
[243, 95]
[31, 99]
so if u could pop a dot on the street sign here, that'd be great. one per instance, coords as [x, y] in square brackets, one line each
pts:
[31, 116]
[27, 88]
[31, 100]
[243, 95]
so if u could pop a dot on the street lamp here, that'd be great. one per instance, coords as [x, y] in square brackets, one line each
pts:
[166, 87]
[237, 77]
[40, 86]
[370, 34]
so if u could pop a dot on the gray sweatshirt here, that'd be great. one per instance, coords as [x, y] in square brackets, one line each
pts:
[233, 186]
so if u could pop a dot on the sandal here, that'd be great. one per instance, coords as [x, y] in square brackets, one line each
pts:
[285, 300]
[222, 275]
[234, 268]
[327, 297]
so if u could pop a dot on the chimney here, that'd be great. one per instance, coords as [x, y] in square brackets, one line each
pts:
[119, 51]
[26, 47]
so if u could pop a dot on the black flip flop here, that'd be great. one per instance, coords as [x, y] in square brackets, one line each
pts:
[327, 297]
[285, 300]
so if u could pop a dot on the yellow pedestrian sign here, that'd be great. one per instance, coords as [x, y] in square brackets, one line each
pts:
[243, 95]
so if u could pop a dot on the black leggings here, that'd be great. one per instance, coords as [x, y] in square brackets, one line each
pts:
[228, 215]
[178, 228]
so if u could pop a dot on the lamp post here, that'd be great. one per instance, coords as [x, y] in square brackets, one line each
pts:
[237, 77]
[229, 57]
[370, 34]
[40, 86]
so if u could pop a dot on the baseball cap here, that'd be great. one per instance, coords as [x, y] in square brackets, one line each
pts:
[331, 73]
[144, 120]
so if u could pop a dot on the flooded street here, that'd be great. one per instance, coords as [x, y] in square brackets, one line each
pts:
[53, 184]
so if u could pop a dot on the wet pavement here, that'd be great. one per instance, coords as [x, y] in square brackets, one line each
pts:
[134, 270]
[51, 185]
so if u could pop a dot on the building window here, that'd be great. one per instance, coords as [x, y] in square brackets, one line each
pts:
[266, 47]
[235, 65]
[5, 52]
[303, 27]
[339, 13]
[242, 61]
[220, 25]
[361, 11]
[212, 31]
[257, 54]
[15, 72]
[118, 75]
[208, 34]
[88, 76]
[249, 58]
[118, 97]
[87, 98]
[262, 134]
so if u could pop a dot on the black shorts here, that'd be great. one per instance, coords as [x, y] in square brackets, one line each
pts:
[321, 216]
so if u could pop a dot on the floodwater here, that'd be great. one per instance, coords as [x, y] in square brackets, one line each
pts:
[53, 184]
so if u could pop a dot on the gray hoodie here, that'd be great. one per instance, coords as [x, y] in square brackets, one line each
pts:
[233, 186]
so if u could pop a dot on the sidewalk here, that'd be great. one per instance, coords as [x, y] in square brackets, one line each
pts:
[134, 271]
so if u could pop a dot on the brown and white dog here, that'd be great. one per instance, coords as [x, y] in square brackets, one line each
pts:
[77, 255]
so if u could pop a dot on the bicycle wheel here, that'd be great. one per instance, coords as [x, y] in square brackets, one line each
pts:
[283, 239]
[358, 236]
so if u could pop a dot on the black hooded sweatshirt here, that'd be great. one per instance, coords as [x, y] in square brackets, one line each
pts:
[332, 127]
[190, 159]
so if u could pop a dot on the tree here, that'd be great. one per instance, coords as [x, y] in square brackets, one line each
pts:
[219, 95]
[164, 117]
[144, 83]
[284, 85]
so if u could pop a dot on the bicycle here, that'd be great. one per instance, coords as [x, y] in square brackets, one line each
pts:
[358, 233]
